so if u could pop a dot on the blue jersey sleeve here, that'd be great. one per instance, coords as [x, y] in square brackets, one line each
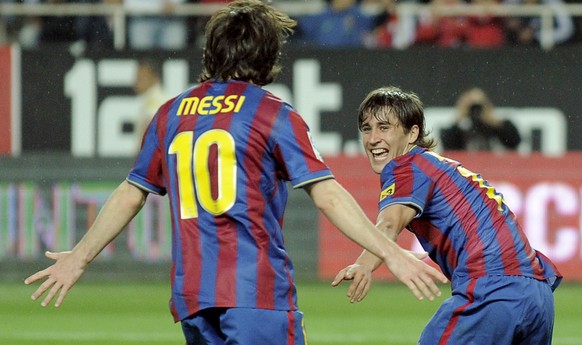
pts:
[405, 184]
[146, 173]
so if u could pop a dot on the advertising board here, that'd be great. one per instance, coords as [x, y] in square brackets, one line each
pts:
[87, 103]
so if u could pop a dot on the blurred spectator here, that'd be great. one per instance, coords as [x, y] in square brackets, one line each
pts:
[393, 30]
[441, 31]
[342, 24]
[484, 30]
[480, 31]
[156, 31]
[95, 30]
[148, 87]
[57, 29]
[477, 127]
[526, 31]
[64, 29]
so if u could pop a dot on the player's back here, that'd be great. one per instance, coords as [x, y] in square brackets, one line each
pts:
[230, 129]
[219, 143]
[478, 233]
[224, 152]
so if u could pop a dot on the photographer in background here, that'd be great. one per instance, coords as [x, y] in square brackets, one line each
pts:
[477, 127]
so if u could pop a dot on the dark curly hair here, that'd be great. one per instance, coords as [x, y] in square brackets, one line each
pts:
[244, 41]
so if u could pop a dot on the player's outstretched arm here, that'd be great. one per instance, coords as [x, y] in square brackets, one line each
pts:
[344, 212]
[123, 204]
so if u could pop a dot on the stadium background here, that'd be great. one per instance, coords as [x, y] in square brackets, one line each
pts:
[74, 144]
[65, 145]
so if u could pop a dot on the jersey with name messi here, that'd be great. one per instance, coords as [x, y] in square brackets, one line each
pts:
[462, 221]
[224, 152]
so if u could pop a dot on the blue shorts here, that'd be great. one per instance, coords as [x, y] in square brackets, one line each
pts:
[218, 326]
[494, 310]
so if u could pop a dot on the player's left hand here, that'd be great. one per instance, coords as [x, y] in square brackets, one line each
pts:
[59, 278]
[361, 281]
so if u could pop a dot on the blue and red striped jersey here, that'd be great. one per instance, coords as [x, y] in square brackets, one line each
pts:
[224, 153]
[462, 222]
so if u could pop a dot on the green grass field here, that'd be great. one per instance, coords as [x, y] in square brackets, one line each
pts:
[137, 313]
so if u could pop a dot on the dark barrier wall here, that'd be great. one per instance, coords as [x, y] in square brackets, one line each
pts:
[71, 103]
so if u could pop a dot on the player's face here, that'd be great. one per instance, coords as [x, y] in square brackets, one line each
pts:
[384, 139]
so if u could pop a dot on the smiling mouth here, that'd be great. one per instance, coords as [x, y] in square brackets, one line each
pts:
[379, 153]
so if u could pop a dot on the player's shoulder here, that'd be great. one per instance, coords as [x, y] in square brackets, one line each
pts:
[272, 97]
[273, 103]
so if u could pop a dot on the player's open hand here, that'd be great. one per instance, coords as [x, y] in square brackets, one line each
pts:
[58, 278]
[420, 278]
[361, 280]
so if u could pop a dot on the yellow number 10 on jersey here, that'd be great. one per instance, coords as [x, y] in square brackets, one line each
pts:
[194, 180]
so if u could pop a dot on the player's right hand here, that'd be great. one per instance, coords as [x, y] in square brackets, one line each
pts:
[58, 278]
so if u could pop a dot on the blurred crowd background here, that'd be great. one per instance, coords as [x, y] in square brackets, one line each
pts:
[329, 23]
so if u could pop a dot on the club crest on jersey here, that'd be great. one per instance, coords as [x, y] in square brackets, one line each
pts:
[210, 105]
[387, 192]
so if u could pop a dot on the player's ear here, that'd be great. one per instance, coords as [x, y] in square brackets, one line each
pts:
[413, 134]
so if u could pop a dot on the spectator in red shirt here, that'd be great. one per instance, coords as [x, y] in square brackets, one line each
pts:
[478, 31]
[441, 31]
[484, 31]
